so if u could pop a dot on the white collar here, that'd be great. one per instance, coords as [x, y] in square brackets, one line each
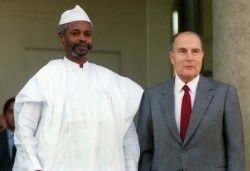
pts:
[192, 84]
[74, 64]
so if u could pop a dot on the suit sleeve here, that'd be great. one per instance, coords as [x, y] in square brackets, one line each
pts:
[234, 132]
[145, 134]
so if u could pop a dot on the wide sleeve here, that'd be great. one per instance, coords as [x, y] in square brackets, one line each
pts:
[27, 116]
[131, 149]
[130, 142]
[28, 111]
[234, 132]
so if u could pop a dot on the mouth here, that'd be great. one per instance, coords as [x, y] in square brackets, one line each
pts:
[81, 47]
[80, 50]
[189, 67]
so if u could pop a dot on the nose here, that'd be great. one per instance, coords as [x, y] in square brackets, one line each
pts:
[82, 38]
[189, 56]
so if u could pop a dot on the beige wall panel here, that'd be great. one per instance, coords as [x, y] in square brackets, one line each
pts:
[159, 33]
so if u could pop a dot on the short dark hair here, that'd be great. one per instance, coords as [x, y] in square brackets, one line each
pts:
[176, 35]
[7, 104]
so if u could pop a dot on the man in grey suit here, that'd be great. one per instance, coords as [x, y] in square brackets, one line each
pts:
[214, 139]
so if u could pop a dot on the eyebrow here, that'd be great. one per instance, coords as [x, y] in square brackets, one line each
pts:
[183, 48]
[197, 49]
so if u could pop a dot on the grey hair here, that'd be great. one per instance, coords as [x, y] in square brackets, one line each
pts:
[62, 28]
[176, 35]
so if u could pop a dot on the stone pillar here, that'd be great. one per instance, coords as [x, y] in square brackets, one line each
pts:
[231, 53]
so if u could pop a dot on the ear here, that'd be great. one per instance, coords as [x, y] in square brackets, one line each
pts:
[171, 57]
[203, 54]
[61, 38]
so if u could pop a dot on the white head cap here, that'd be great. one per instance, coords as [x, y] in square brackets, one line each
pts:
[75, 14]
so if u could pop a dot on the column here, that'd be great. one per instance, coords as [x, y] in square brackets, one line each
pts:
[231, 53]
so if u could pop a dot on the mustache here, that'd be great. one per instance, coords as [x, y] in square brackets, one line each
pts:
[82, 44]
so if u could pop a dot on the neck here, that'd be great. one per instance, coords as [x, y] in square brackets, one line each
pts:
[79, 61]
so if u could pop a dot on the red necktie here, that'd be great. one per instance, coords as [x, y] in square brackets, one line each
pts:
[185, 112]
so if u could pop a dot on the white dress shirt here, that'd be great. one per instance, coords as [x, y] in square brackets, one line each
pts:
[179, 92]
[10, 141]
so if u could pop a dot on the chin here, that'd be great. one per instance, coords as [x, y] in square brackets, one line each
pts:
[79, 55]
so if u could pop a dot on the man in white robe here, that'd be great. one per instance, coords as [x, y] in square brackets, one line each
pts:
[73, 115]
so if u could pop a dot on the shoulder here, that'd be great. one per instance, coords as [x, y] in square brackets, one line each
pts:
[53, 66]
[217, 87]
[102, 69]
[45, 76]
[110, 75]
[53, 63]
[116, 81]
[162, 87]
[215, 84]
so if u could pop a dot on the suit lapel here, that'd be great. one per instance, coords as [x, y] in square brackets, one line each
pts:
[204, 95]
[167, 104]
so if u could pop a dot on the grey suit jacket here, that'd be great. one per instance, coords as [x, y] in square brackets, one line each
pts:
[214, 139]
